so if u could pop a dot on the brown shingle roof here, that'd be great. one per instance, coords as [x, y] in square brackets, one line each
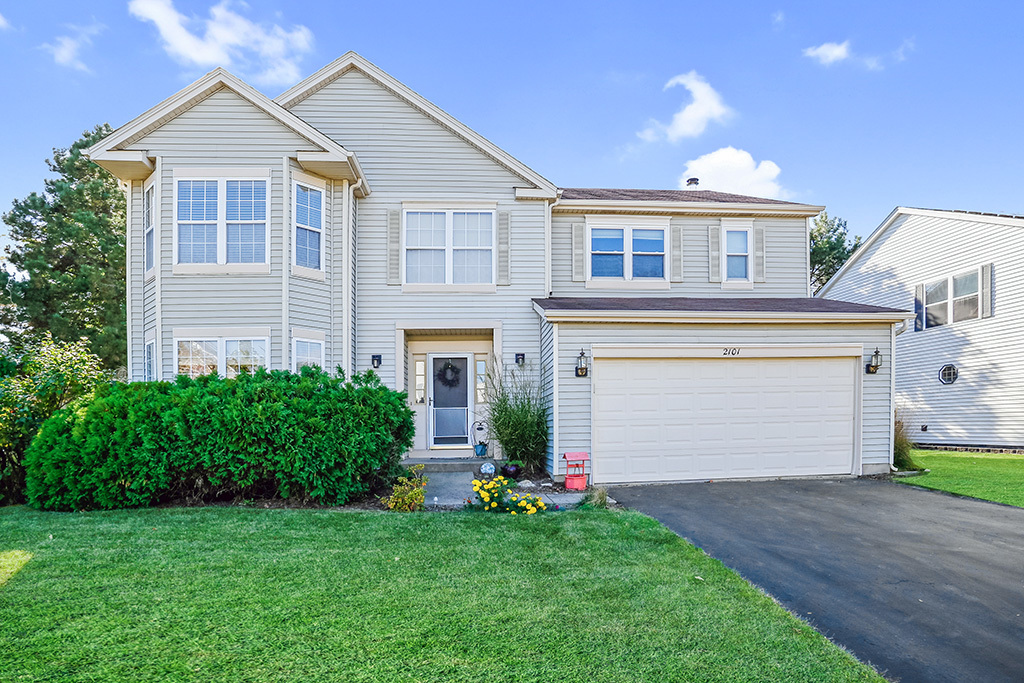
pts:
[700, 196]
[709, 304]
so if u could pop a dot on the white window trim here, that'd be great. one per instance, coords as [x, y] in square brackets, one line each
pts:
[221, 175]
[310, 183]
[221, 347]
[949, 299]
[310, 340]
[449, 267]
[149, 361]
[154, 216]
[737, 225]
[627, 224]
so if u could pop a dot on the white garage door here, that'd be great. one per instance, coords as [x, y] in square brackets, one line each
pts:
[704, 418]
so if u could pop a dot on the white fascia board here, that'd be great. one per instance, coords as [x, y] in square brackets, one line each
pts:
[127, 165]
[534, 193]
[861, 250]
[352, 60]
[698, 208]
[678, 317]
[669, 351]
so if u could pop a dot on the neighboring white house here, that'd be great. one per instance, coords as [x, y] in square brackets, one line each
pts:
[959, 379]
[351, 223]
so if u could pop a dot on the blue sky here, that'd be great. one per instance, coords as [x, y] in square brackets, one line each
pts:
[859, 108]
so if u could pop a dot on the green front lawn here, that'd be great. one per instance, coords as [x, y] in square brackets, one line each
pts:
[989, 476]
[232, 594]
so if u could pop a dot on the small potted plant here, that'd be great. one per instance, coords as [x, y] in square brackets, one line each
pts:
[512, 469]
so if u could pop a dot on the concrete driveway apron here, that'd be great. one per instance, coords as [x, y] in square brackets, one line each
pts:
[923, 585]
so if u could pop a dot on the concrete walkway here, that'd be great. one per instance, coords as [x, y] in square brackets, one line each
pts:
[449, 490]
[925, 586]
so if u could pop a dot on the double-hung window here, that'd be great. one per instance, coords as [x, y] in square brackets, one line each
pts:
[307, 352]
[309, 226]
[737, 255]
[632, 249]
[148, 226]
[221, 223]
[226, 356]
[449, 247]
[952, 299]
[149, 361]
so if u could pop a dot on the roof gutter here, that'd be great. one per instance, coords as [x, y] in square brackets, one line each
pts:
[698, 208]
[699, 317]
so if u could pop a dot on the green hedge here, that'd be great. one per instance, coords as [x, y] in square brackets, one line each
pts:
[305, 435]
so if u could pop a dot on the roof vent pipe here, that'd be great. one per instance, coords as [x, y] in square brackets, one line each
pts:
[692, 182]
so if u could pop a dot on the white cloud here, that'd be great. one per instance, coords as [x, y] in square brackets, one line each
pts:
[66, 50]
[693, 119]
[778, 19]
[829, 53]
[900, 53]
[4, 24]
[267, 53]
[734, 170]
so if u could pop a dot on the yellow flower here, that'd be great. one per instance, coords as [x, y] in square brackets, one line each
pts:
[476, 488]
[531, 511]
[476, 482]
[515, 497]
[514, 512]
[494, 505]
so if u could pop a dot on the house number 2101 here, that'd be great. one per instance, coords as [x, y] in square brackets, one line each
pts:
[731, 351]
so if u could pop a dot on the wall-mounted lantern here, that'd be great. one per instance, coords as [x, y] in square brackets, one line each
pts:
[520, 359]
[375, 360]
[581, 364]
[875, 362]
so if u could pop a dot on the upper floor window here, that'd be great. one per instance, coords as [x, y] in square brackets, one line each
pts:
[449, 247]
[148, 223]
[737, 254]
[627, 252]
[221, 221]
[309, 226]
[952, 299]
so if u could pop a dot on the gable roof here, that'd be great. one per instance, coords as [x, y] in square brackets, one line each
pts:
[110, 153]
[352, 60]
[973, 216]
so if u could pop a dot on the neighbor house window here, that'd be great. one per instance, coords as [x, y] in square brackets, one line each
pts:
[308, 226]
[307, 352]
[449, 247]
[149, 362]
[148, 216]
[737, 254]
[952, 299]
[225, 356]
[221, 221]
[628, 252]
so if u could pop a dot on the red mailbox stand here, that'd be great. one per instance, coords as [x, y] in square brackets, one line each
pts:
[576, 470]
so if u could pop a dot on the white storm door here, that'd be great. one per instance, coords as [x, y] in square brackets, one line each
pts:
[450, 399]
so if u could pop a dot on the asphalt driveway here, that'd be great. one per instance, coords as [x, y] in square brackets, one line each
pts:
[925, 586]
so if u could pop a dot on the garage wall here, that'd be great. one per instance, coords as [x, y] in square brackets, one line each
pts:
[574, 392]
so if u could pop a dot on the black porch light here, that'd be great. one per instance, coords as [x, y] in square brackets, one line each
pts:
[581, 364]
[875, 362]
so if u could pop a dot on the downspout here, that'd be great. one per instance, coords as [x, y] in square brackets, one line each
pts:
[548, 207]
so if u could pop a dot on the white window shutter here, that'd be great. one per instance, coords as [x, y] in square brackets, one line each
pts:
[758, 254]
[503, 248]
[714, 253]
[677, 253]
[986, 291]
[579, 252]
[394, 247]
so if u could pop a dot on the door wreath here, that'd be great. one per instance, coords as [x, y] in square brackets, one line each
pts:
[448, 375]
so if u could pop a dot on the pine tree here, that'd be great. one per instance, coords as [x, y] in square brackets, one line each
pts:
[829, 248]
[65, 269]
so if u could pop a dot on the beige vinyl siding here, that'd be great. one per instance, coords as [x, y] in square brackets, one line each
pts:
[983, 407]
[222, 131]
[785, 259]
[574, 393]
[408, 156]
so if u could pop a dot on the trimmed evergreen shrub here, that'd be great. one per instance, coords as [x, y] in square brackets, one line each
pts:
[306, 435]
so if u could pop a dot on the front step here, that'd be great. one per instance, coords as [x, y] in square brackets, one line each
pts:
[448, 464]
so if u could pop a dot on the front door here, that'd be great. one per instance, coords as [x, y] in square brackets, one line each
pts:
[450, 400]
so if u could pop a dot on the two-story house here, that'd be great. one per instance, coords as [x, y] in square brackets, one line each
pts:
[958, 382]
[351, 223]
